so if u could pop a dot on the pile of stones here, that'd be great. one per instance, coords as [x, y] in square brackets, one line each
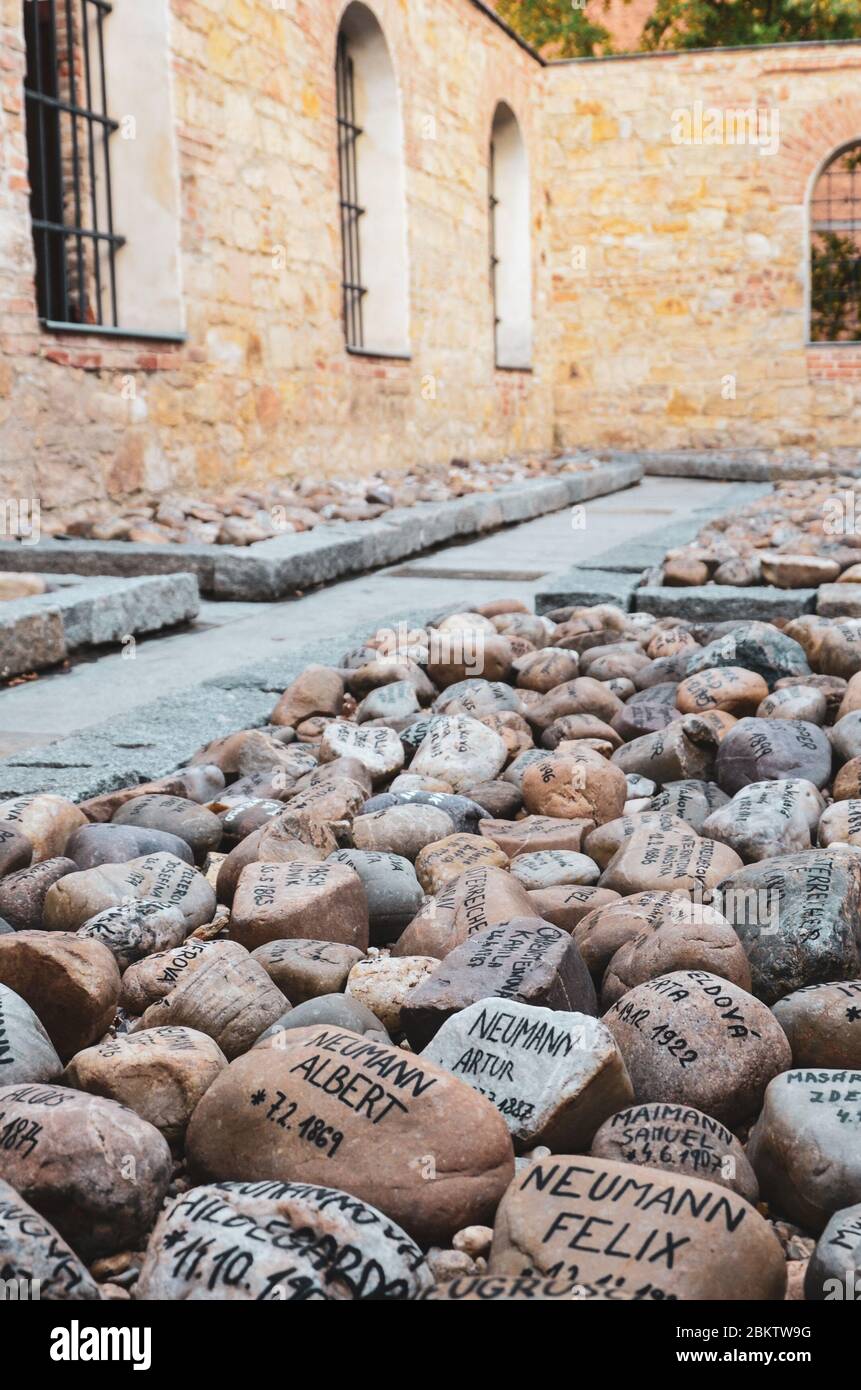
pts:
[519, 961]
[802, 534]
[259, 513]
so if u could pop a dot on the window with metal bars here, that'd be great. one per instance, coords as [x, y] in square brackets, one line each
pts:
[68, 143]
[835, 235]
[494, 259]
[349, 133]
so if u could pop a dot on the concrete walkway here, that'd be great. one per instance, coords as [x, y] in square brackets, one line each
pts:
[230, 635]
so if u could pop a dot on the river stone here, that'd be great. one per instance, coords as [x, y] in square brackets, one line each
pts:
[707, 942]
[23, 894]
[16, 851]
[847, 783]
[823, 1024]
[536, 833]
[565, 907]
[379, 1122]
[94, 1169]
[377, 748]
[283, 841]
[834, 1271]
[480, 898]
[652, 860]
[445, 860]
[768, 818]
[728, 688]
[841, 823]
[605, 842]
[806, 1145]
[574, 727]
[757, 647]
[846, 737]
[276, 901]
[397, 700]
[26, 1051]
[795, 702]
[404, 830]
[797, 917]
[45, 820]
[93, 845]
[603, 931]
[670, 755]
[639, 718]
[462, 752]
[33, 1251]
[520, 1288]
[585, 695]
[517, 768]
[246, 817]
[176, 815]
[156, 976]
[554, 1077]
[199, 783]
[692, 800]
[525, 959]
[231, 998]
[393, 892]
[551, 868]
[476, 698]
[77, 897]
[279, 1242]
[414, 735]
[839, 650]
[766, 750]
[575, 786]
[384, 983]
[648, 1234]
[138, 928]
[161, 1074]
[71, 985]
[465, 814]
[318, 690]
[545, 669]
[499, 799]
[331, 1010]
[304, 969]
[677, 1139]
[691, 1038]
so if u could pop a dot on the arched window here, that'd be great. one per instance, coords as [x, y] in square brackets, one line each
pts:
[835, 236]
[510, 242]
[373, 197]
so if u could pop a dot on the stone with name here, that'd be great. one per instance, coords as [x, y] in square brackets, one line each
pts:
[692, 1038]
[304, 969]
[155, 976]
[93, 845]
[823, 1024]
[841, 823]
[834, 1271]
[553, 1076]
[795, 702]
[72, 985]
[480, 898]
[339, 1110]
[445, 860]
[397, 700]
[551, 868]
[692, 800]
[677, 1139]
[377, 747]
[16, 851]
[393, 892]
[275, 901]
[672, 754]
[461, 751]
[606, 841]
[198, 827]
[77, 897]
[405, 830]
[565, 907]
[26, 1051]
[655, 860]
[534, 833]
[33, 1253]
[603, 931]
[579, 785]
[769, 750]
[768, 818]
[728, 688]
[707, 942]
[45, 820]
[756, 646]
[136, 929]
[23, 893]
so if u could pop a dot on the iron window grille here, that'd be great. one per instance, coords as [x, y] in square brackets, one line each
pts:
[68, 146]
[835, 233]
[494, 259]
[352, 288]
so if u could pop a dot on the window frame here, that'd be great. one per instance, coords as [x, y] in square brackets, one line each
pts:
[810, 229]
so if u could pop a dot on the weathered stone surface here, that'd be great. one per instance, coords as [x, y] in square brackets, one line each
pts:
[318, 690]
[795, 702]
[534, 833]
[23, 894]
[277, 901]
[32, 1251]
[766, 750]
[577, 785]
[602, 844]
[137, 929]
[398, 700]
[93, 845]
[377, 748]
[373, 1112]
[806, 1145]
[705, 942]
[330, 1010]
[161, 1074]
[279, 1242]
[841, 823]
[648, 1234]
[156, 976]
[691, 1038]
[16, 851]
[384, 984]
[551, 868]
[405, 830]
[797, 571]
[198, 827]
[823, 1024]
[393, 892]
[797, 918]
[545, 669]
[72, 985]
[655, 860]
[94, 1169]
[477, 697]
[768, 818]
[566, 907]
[227, 996]
[728, 688]
[500, 799]
[553, 1076]
[465, 814]
[462, 752]
[26, 1051]
[480, 898]
[304, 969]
[446, 860]
[756, 646]
[46, 821]
[692, 800]
[834, 1271]
[670, 755]
[77, 897]
[677, 1139]
[525, 959]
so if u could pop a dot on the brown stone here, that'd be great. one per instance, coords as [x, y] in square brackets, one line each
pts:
[584, 695]
[71, 984]
[480, 898]
[566, 906]
[380, 1110]
[445, 860]
[23, 894]
[77, 897]
[797, 571]
[319, 690]
[278, 901]
[154, 977]
[677, 1139]
[536, 833]
[46, 821]
[823, 1024]
[200, 783]
[728, 688]
[576, 786]
[544, 670]
[708, 944]
[16, 851]
[34, 1251]
[652, 860]
[406, 830]
[305, 969]
[606, 841]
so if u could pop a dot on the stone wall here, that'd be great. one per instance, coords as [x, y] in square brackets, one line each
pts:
[660, 271]
[680, 271]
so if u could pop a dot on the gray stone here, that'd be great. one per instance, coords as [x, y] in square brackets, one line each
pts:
[834, 1271]
[33, 1252]
[137, 928]
[768, 818]
[334, 1010]
[712, 602]
[768, 750]
[755, 646]
[117, 844]
[393, 891]
[26, 1051]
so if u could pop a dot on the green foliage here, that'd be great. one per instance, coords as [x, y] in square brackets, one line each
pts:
[835, 289]
[559, 26]
[725, 23]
